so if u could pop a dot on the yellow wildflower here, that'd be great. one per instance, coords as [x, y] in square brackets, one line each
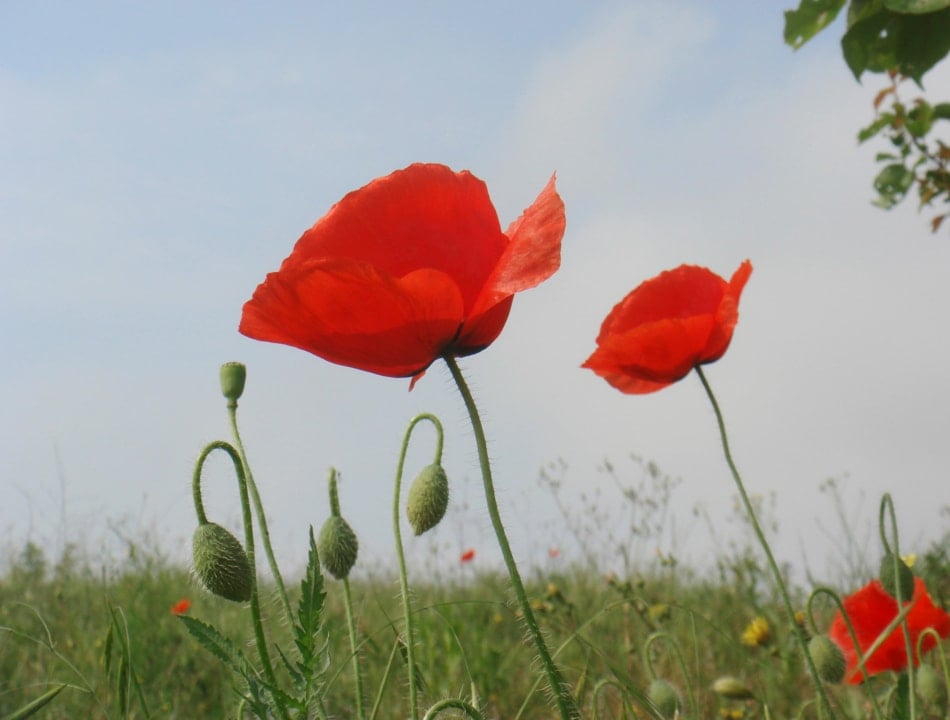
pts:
[757, 632]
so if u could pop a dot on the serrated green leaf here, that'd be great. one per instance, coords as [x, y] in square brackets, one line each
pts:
[942, 111]
[916, 7]
[811, 17]
[892, 183]
[34, 706]
[214, 642]
[312, 597]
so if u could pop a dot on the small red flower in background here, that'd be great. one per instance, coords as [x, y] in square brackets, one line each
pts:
[407, 269]
[553, 552]
[181, 607]
[871, 610]
[667, 326]
[467, 556]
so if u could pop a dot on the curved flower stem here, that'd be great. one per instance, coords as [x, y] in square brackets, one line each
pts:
[887, 513]
[773, 565]
[648, 661]
[259, 510]
[239, 469]
[400, 554]
[465, 707]
[563, 697]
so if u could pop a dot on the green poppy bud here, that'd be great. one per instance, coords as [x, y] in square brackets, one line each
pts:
[828, 658]
[902, 577]
[664, 696]
[732, 688]
[233, 375]
[221, 563]
[338, 546]
[932, 689]
[428, 499]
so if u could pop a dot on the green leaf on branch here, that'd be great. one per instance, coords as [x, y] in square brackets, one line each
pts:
[916, 7]
[811, 17]
[941, 111]
[892, 183]
[885, 40]
[920, 119]
[880, 122]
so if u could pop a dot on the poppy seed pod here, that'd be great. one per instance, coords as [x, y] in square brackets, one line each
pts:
[892, 578]
[338, 546]
[828, 658]
[428, 499]
[664, 696]
[221, 563]
[233, 376]
[932, 689]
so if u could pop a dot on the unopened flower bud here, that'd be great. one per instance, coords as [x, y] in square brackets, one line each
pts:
[900, 577]
[233, 375]
[338, 547]
[932, 689]
[732, 688]
[221, 563]
[664, 696]
[428, 499]
[828, 658]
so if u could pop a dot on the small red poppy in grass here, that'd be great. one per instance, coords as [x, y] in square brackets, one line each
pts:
[410, 268]
[667, 326]
[181, 607]
[871, 610]
[467, 556]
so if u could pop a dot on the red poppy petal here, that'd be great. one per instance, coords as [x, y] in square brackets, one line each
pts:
[533, 252]
[727, 316]
[679, 293]
[480, 332]
[424, 216]
[657, 353]
[352, 314]
[871, 610]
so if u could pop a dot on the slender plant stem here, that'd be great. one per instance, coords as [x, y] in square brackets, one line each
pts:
[351, 625]
[563, 697]
[258, 625]
[887, 513]
[400, 554]
[773, 565]
[261, 518]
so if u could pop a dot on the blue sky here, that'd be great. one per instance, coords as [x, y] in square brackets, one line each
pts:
[157, 160]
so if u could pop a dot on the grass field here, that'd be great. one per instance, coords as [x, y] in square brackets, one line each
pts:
[116, 644]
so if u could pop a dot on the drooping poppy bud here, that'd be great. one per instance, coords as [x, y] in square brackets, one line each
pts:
[828, 658]
[664, 696]
[428, 499]
[338, 546]
[221, 563]
[932, 689]
[893, 577]
[233, 376]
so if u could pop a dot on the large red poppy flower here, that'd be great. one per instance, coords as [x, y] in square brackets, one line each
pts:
[667, 326]
[410, 268]
[871, 610]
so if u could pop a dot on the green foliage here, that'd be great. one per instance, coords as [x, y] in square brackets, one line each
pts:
[902, 39]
